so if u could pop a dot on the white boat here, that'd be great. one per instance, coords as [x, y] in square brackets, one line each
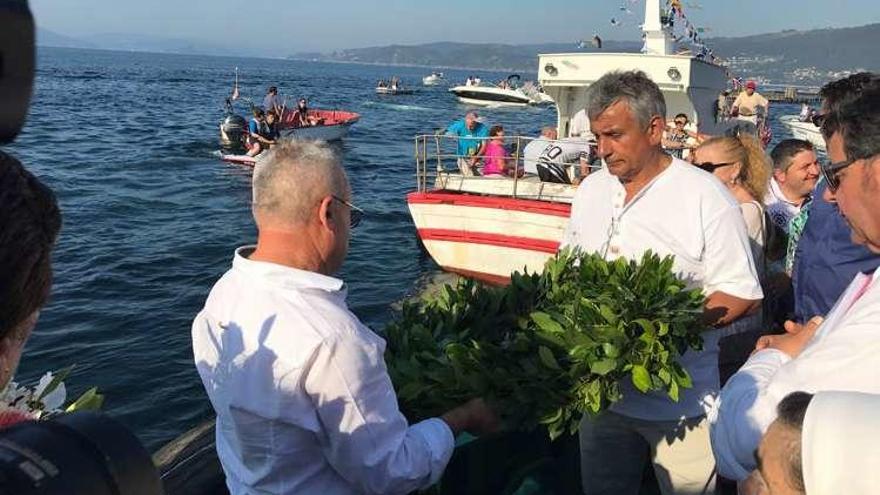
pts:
[386, 90]
[501, 95]
[803, 130]
[433, 80]
[487, 227]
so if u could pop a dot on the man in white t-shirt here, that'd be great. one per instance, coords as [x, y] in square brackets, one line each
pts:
[579, 126]
[646, 200]
[553, 160]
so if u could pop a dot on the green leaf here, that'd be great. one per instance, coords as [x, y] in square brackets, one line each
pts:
[641, 378]
[603, 367]
[90, 400]
[611, 350]
[547, 358]
[546, 322]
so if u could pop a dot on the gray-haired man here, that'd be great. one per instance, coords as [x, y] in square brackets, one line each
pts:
[303, 400]
[646, 200]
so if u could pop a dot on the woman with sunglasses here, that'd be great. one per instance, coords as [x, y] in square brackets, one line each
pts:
[741, 164]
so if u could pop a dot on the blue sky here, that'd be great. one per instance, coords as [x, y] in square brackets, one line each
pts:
[281, 27]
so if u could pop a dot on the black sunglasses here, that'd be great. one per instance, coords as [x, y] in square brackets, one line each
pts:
[357, 214]
[710, 167]
[830, 172]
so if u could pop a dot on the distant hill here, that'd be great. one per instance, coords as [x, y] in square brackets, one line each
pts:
[807, 57]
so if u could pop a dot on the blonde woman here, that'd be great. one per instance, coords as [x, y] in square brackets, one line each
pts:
[741, 164]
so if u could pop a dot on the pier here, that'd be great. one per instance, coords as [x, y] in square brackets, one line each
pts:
[778, 93]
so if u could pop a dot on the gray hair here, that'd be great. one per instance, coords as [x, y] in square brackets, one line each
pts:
[639, 92]
[293, 177]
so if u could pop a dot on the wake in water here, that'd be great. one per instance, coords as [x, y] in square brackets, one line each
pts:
[395, 106]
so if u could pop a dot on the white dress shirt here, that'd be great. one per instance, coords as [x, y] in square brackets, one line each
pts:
[303, 399]
[844, 355]
[687, 213]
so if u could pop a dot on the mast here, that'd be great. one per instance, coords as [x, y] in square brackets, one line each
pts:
[658, 37]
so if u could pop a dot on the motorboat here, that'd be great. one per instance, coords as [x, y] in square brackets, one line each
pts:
[433, 80]
[326, 125]
[506, 93]
[487, 227]
[803, 130]
[393, 90]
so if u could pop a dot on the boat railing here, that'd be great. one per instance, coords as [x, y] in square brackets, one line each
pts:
[438, 161]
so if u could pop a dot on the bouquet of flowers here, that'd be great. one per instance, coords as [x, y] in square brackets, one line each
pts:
[43, 401]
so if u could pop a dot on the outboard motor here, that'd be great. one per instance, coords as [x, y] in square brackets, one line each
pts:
[233, 130]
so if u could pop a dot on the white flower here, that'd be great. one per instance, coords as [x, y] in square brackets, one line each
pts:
[54, 398]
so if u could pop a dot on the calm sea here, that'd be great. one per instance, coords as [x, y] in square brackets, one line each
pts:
[151, 217]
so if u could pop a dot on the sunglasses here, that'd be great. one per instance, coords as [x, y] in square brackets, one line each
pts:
[680, 122]
[710, 167]
[357, 214]
[831, 171]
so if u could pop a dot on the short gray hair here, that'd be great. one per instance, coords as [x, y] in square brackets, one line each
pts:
[642, 95]
[294, 176]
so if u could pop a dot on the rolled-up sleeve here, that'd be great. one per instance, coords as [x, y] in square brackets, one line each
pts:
[743, 412]
[368, 441]
[728, 263]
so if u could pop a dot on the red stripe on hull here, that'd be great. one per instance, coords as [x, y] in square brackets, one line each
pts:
[508, 241]
[487, 278]
[495, 202]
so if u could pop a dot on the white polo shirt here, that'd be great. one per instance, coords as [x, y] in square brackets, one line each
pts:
[687, 213]
[303, 400]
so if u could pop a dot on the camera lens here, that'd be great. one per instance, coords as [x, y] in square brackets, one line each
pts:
[76, 454]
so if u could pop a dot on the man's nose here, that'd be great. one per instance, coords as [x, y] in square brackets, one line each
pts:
[602, 148]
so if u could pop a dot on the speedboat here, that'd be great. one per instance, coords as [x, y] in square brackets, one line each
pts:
[486, 227]
[803, 130]
[391, 90]
[508, 93]
[433, 80]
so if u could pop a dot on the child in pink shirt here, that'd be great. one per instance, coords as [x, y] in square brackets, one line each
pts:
[495, 156]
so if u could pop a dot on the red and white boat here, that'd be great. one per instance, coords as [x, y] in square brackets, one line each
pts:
[487, 227]
[331, 125]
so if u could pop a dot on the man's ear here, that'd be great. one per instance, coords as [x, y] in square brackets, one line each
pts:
[779, 175]
[325, 213]
[656, 128]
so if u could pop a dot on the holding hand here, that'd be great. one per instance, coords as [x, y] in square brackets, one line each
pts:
[795, 338]
[474, 416]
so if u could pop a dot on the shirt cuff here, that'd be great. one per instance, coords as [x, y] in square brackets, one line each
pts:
[441, 443]
[766, 358]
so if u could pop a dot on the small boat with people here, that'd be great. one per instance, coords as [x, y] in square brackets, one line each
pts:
[507, 92]
[392, 87]
[433, 80]
[486, 227]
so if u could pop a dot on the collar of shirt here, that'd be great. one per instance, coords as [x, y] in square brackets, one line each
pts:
[285, 276]
[779, 196]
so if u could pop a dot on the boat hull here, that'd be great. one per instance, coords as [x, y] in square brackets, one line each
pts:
[390, 91]
[803, 130]
[334, 125]
[487, 96]
[486, 237]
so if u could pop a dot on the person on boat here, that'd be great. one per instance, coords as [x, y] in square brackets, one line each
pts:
[395, 83]
[820, 444]
[579, 125]
[551, 158]
[302, 395]
[469, 81]
[381, 84]
[740, 164]
[504, 84]
[644, 199]
[795, 174]
[822, 256]
[838, 352]
[678, 139]
[749, 103]
[258, 133]
[271, 102]
[477, 81]
[29, 222]
[495, 159]
[271, 129]
[806, 113]
[301, 117]
[472, 136]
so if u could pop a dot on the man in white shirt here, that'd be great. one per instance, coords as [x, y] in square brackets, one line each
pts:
[839, 352]
[646, 200]
[795, 174]
[303, 400]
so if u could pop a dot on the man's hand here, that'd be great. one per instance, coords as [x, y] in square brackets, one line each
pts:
[474, 416]
[795, 338]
